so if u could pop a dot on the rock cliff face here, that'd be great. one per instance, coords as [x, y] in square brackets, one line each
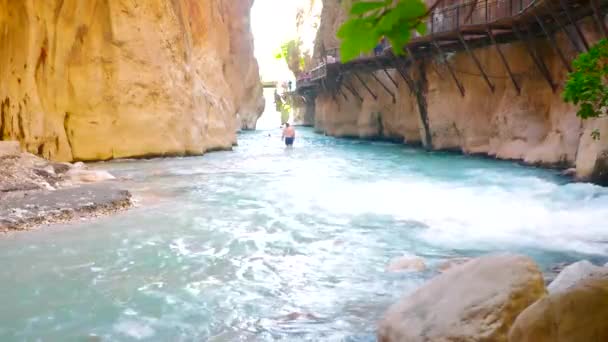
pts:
[535, 126]
[102, 79]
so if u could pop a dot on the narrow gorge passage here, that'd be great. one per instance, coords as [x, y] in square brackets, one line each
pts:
[264, 243]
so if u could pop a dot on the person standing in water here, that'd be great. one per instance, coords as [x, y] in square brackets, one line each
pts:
[289, 134]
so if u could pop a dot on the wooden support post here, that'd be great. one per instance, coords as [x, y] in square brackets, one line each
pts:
[353, 91]
[555, 17]
[564, 6]
[391, 78]
[477, 63]
[553, 43]
[410, 55]
[381, 66]
[445, 61]
[538, 61]
[342, 93]
[598, 18]
[384, 86]
[504, 60]
[404, 75]
[365, 85]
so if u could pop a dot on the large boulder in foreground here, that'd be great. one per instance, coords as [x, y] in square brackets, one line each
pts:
[476, 301]
[577, 314]
[574, 273]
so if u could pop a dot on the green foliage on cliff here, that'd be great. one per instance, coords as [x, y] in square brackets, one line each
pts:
[289, 50]
[587, 85]
[369, 21]
[283, 106]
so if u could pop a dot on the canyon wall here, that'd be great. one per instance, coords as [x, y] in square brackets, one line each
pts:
[102, 79]
[535, 126]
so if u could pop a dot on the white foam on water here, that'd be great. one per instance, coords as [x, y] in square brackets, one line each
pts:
[532, 212]
[134, 329]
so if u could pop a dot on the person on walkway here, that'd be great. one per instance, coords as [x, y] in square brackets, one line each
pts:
[289, 134]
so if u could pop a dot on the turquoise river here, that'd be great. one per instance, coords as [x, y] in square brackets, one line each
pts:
[265, 243]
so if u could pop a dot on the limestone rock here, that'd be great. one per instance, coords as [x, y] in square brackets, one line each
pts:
[406, 263]
[574, 273]
[9, 148]
[60, 168]
[96, 80]
[477, 301]
[450, 263]
[591, 156]
[574, 315]
[25, 172]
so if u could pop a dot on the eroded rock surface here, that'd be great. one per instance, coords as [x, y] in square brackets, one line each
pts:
[577, 314]
[25, 210]
[102, 79]
[34, 191]
[574, 273]
[476, 301]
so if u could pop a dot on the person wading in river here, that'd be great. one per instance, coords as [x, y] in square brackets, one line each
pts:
[289, 134]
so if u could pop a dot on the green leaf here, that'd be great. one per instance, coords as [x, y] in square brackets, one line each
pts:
[421, 28]
[363, 7]
[410, 9]
[586, 85]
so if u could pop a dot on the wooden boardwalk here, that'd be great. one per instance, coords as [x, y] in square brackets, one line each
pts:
[465, 26]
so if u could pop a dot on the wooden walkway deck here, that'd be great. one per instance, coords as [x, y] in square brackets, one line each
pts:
[465, 26]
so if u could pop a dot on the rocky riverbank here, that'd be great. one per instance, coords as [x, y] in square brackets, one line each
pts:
[34, 191]
[503, 298]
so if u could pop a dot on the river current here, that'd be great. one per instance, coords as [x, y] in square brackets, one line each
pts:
[266, 243]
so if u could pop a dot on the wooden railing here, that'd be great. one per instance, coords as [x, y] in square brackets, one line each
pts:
[471, 13]
[446, 19]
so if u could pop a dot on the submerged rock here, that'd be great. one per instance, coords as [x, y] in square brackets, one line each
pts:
[477, 301]
[24, 210]
[79, 175]
[577, 314]
[574, 273]
[406, 263]
[293, 316]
